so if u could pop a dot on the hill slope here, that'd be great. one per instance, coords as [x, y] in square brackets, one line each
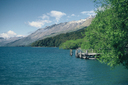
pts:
[59, 39]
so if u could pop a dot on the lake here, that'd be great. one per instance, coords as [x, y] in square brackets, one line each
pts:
[54, 66]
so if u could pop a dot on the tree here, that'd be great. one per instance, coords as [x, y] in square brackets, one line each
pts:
[108, 33]
[71, 44]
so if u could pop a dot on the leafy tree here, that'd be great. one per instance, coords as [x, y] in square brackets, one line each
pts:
[108, 33]
[71, 44]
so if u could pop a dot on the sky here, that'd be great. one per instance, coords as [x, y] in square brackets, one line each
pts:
[22, 17]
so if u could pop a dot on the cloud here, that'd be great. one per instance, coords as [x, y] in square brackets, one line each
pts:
[73, 15]
[39, 23]
[89, 12]
[56, 14]
[68, 16]
[44, 16]
[103, 8]
[10, 34]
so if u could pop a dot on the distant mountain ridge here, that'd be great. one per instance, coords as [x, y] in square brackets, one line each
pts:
[4, 41]
[59, 39]
[52, 31]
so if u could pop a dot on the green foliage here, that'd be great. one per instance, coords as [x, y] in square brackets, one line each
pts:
[71, 44]
[108, 33]
[57, 40]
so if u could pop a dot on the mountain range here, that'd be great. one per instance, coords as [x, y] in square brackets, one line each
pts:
[4, 41]
[49, 31]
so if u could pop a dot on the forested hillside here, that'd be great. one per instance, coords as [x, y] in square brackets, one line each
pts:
[57, 40]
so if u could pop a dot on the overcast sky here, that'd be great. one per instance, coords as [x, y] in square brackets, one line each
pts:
[22, 17]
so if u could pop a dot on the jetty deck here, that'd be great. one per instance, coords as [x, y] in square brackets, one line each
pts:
[86, 55]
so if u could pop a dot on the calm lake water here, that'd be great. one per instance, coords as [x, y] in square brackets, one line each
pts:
[54, 66]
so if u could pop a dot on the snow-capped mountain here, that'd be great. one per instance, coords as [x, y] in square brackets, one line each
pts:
[4, 41]
[52, 31]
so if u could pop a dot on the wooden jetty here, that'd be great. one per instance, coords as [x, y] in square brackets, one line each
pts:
[86, 55]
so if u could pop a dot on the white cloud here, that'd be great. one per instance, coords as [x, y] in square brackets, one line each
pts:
[89, 12]
[68, 16]
[10, 34]
[44, 16]
[73, 15]
[56, 14]
[20, 36]
[38, 23]
[103, 8]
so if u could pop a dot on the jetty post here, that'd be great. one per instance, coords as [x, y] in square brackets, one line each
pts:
[80, 54]
[87, 52]
[71, 52]
[76, 53]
